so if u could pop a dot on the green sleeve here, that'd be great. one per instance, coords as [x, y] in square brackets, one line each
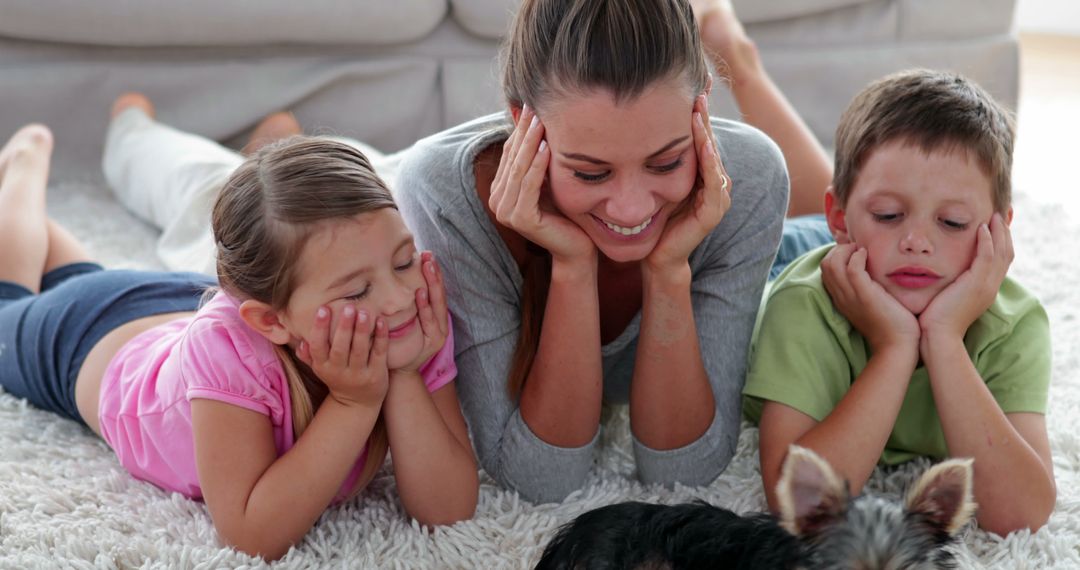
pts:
[1016, 368]
[801, 357]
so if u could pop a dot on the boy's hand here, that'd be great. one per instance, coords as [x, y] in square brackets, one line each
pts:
[431, 311]
[953, 310]
[872, 310]
[351, 361]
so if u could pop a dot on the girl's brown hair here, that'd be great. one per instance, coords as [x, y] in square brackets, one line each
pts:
[560, 48]
[268, 209]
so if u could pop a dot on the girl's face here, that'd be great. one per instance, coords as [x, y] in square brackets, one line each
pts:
[619, 170]
[370, 262]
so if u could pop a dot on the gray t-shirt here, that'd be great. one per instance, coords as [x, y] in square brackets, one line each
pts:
[436, 192]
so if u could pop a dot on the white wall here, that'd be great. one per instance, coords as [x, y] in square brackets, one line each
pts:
[1049, 16]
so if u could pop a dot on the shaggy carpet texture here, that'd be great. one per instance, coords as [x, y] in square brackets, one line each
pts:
[66, 502]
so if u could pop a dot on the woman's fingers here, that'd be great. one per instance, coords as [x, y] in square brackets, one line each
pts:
[520, 167]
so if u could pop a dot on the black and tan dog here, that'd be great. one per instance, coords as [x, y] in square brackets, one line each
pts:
[819, 526]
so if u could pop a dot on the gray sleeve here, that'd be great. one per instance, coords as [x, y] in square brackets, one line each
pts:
[729, 269]
[482, 286]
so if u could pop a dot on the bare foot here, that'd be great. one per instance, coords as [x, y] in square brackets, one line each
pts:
[34, 137]
[723, 36]
[273, 128]
[132, 99]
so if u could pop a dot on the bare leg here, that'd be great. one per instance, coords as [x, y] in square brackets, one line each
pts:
[64, 248]
[764, 106]
[274, 127]
[24, 176]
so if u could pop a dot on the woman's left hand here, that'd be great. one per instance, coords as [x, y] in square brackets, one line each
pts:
[704, 207]
[431, 311]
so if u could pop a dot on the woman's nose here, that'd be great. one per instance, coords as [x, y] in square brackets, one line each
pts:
[630, 204]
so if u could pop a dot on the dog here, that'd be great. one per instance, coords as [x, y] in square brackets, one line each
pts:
[819, 526]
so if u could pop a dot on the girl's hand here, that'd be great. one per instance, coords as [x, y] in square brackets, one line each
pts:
[351, 361]
[953, 310]
[516, 193]
[707, 203]
[431, 311]
[870, 308]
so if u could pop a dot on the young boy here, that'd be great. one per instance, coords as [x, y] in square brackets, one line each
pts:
[906, 338]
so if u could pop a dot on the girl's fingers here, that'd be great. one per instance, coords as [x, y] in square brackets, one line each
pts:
[379, 346]
[318, 345]
[361, 338]
[303, 352]
[341, 342]
[436, 290]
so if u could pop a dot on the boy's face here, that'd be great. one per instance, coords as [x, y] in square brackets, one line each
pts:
[917, 215]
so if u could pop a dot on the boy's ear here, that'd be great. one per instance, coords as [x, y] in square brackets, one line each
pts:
[264, 320]
[836, 218]
[708, 85]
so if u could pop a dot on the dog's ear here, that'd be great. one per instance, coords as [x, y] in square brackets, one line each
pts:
[810, 494]
[943, 494]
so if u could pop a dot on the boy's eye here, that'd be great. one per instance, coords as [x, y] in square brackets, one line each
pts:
[360, 295]
[669, 166]
[886, 217]
[587, 177]
[954, 225]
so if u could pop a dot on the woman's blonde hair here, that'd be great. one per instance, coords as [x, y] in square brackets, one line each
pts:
[267, 210]
[559, 48]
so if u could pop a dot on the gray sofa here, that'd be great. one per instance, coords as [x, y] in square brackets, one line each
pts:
[390, 71]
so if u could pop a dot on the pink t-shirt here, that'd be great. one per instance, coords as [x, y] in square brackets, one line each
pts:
[146, 393]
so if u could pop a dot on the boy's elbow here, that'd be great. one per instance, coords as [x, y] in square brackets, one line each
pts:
[1007, 520]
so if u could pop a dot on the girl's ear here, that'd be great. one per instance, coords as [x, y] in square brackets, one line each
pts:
[264, 320]
[835, 216]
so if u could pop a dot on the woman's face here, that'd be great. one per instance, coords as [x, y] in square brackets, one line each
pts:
[619, 170]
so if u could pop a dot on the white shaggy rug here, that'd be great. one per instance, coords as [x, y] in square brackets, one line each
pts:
[65, 501]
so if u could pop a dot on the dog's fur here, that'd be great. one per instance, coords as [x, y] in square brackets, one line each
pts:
[819, 526]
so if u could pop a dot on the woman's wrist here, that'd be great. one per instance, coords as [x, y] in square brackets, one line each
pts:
[578, 269]
[666, 274]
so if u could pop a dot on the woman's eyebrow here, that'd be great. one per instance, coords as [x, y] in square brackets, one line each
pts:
[587, 158]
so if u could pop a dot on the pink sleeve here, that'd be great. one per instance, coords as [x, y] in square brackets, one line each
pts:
[220, 363]
[441, 369]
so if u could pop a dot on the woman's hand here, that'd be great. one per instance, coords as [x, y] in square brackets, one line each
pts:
[952, 311]
[516, 193]
[870, 308]
[704, 207]
[431, 311]
[351, 361]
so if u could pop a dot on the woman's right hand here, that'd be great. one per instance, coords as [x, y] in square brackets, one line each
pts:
[873, 312]
[351, 361]
[516, 193]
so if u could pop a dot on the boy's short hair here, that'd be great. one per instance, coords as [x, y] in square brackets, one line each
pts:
[933, 110]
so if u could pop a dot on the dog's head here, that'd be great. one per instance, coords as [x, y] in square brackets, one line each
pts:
[871, 532]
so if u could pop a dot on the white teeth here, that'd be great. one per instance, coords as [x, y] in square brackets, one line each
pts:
[628, 231]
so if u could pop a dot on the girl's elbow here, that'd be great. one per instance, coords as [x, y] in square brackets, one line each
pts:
[253, 546]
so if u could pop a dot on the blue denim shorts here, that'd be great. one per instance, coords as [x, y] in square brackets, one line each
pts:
[44, 338]
[800, 235]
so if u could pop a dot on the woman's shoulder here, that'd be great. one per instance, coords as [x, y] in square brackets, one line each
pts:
[450, 153]
[745, 149]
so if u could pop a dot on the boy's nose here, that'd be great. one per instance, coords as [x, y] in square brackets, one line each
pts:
[916, 241]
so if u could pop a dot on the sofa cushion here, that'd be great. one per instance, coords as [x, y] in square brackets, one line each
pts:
[485, 18]
[220, 22]
[752, 11]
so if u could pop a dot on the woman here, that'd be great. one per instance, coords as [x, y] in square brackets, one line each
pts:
[614, 251]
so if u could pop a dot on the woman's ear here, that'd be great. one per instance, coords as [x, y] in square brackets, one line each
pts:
[264, 320]
[515, 112]
[835, 217]
[1008, 216]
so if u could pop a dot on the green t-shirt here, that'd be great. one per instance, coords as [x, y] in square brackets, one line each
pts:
[805, 354]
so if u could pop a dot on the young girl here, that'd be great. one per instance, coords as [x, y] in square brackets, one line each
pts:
[327, 344]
